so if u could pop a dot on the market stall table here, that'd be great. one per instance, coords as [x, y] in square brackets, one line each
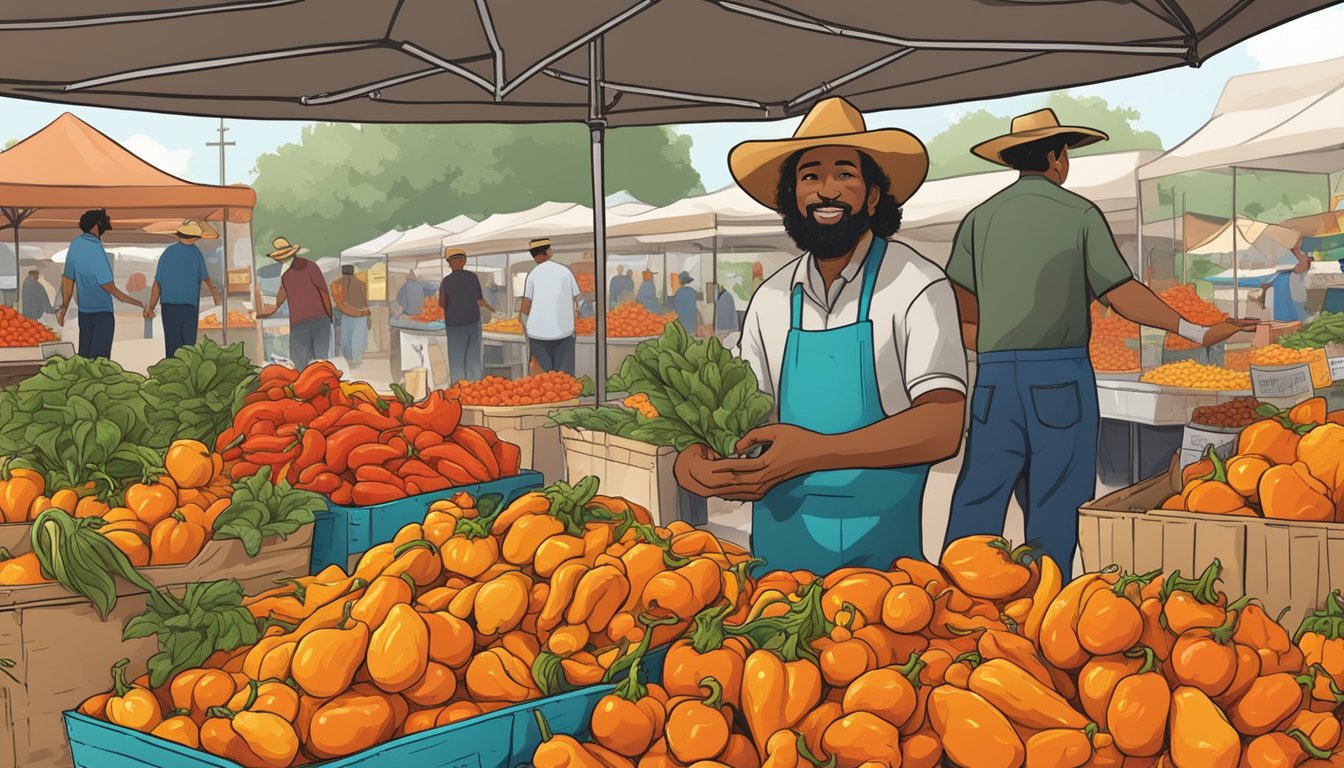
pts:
[406, 327]
[504, 354]
[18, 363]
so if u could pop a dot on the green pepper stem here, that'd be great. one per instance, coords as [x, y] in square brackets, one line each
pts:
[345, 614]
[1305, 742]
[119, 684]
[417, 544]
[544, 726]
[715, 698]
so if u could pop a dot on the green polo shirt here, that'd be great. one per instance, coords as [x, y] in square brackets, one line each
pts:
[1035, 255]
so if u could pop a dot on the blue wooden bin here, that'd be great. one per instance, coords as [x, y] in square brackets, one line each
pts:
[341, 532]
[503, 739]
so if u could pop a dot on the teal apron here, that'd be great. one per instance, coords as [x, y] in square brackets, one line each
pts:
[826, 520]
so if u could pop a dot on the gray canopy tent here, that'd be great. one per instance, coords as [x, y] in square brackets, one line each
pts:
[670, 61]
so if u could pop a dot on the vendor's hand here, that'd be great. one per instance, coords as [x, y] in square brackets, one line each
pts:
[60, 316]
[1226, 329]
[148, 313]
[790, 454]
[697, 470]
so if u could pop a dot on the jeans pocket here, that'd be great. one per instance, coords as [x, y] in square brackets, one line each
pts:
[981, 398]
[1058, 406]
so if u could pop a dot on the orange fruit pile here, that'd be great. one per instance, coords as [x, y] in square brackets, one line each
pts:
[585, 326]
[551, 387]
[633, 319]
[587, 283]
[1190, 306]
[236, 320]
[1237, 360]
[430, 311]
[505, 325]
[18, 331]
[1108, 348]
[1188, 374]
[1275, 354]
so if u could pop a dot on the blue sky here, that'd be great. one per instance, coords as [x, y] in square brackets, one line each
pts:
[1173, 104]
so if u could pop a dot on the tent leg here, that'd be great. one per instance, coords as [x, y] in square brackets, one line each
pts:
[18, 278]
[597, 129]
[224, 286]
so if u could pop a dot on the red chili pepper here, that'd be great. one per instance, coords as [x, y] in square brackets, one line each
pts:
[264, 443]
[437, 412]
[341, 442]
[375, 420]
[273, 458]
[417, 468]
[368, 494]
[479, 447]
[324, 482]
[343, 495]
[249, 415]
[276, 375]
[372, 473]
[326, 421]
[318, 378]
[312, 447]
[372, 454]
[427, 439]
[309, 473]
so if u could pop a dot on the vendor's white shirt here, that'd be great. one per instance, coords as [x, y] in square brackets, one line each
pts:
[552, 289]
[916, 328]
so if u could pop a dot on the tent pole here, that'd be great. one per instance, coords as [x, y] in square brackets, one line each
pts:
[224, 289]
[597, 128]
[18, 282]
[1236, 286]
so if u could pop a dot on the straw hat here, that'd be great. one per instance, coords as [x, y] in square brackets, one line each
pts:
[832, 122]
[540, 242]
[450, 253]
[1041, 124]
[195, 229]
[283, 250]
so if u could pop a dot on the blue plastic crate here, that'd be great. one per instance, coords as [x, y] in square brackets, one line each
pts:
[340, 532]
[503, 739]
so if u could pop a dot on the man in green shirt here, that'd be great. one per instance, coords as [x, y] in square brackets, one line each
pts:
[1025, 266]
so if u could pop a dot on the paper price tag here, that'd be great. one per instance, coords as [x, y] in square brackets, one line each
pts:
[1195, 444]
[1334, 355]
[1281, 382]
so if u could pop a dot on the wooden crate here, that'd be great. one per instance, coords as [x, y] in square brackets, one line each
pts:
[525, 426]
[1288, 566]
[633, 470]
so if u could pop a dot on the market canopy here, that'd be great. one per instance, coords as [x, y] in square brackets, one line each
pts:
[1283, 119]
[372, 247]
[567, 225]
[69, 167]
[418, 241]
[669, 61]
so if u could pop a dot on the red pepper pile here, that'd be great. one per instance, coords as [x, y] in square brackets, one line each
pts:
[351, 445]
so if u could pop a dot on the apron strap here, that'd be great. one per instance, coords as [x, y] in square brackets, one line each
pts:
[796, 308]
[871, 265]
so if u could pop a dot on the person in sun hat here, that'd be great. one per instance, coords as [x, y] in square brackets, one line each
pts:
[310, 312]
[857, 342]
[550, 302]
[177, 282]
[1026, 265]
[648, 292]
[462, 300]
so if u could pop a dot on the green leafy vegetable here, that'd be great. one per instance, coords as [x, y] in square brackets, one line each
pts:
[73, 553]
[259, 509]
[81, 422]
[209, 617]
[1326, 329]
[199, 389]
[586, 386]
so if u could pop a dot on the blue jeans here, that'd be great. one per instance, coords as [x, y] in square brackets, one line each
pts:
[96, 330]
[1034, 421]
[309, 340]
[354, 338]
[464, 352]
[553, 354]
[180, 322]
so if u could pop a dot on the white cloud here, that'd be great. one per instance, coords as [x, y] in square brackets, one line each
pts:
[174, 161]
[1314, 37]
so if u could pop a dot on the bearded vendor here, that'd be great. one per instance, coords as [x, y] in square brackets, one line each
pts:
[858, 341]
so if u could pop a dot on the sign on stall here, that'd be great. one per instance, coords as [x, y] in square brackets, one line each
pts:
[1334, 355]
[1282, 385]
[1195, 442]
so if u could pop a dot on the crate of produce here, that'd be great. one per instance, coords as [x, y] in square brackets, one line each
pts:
[518, 409]
[63, 650]
[501, 739]
[1289, 566]
[343, 533]
[634, 470]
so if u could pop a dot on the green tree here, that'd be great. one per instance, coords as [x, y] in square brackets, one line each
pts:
[342, 183]
[949, 151]
[11, 143]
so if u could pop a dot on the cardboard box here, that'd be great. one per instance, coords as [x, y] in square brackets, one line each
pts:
[64, 652]
[1288, 566]
[633, 470]
[525, 426]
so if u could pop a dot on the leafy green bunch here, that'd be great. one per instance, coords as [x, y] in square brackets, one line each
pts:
[701, 392]
[199, 389]
[260, 508]
[1327, 328]
[79, 422]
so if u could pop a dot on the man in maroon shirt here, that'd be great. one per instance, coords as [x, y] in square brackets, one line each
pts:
[310, 314]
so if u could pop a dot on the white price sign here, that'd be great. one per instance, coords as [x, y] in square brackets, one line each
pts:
[1195, 443]
[1334, 354]
[1281, 382]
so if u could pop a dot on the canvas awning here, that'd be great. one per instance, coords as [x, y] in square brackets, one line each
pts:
[567, 225]
[1283, 119]
[69, 167]
[372, 247]
[418, 241]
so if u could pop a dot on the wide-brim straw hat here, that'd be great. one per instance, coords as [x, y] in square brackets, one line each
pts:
[832, 122]
[450, 253]
[1033, 126]
[283, 250]
[196, 229]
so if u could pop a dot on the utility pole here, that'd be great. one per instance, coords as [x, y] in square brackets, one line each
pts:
[224, 234]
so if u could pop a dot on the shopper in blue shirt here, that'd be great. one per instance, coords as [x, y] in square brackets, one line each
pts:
[89, 273]
[725, 312]
[683, 302]
[177, 281]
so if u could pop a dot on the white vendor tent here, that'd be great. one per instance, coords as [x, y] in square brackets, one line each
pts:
[372, 247]
[419, 241]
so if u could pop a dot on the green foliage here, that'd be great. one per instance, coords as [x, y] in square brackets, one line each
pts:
[73, 553]
[199, 389]
[81, 421]
[1261, 195]
[209, 617]
[343, 183]
[949, 151]
[259, 509]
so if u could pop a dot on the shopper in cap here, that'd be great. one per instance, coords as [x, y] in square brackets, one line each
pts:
[1026, 265]
[648, 293]
[36, 302]
[550, 301]
[177, 283]
[725, 312]
[857, 342]
[461, 298]
[352, 303]
[684, 303]
[88, 275]
[310, 311]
